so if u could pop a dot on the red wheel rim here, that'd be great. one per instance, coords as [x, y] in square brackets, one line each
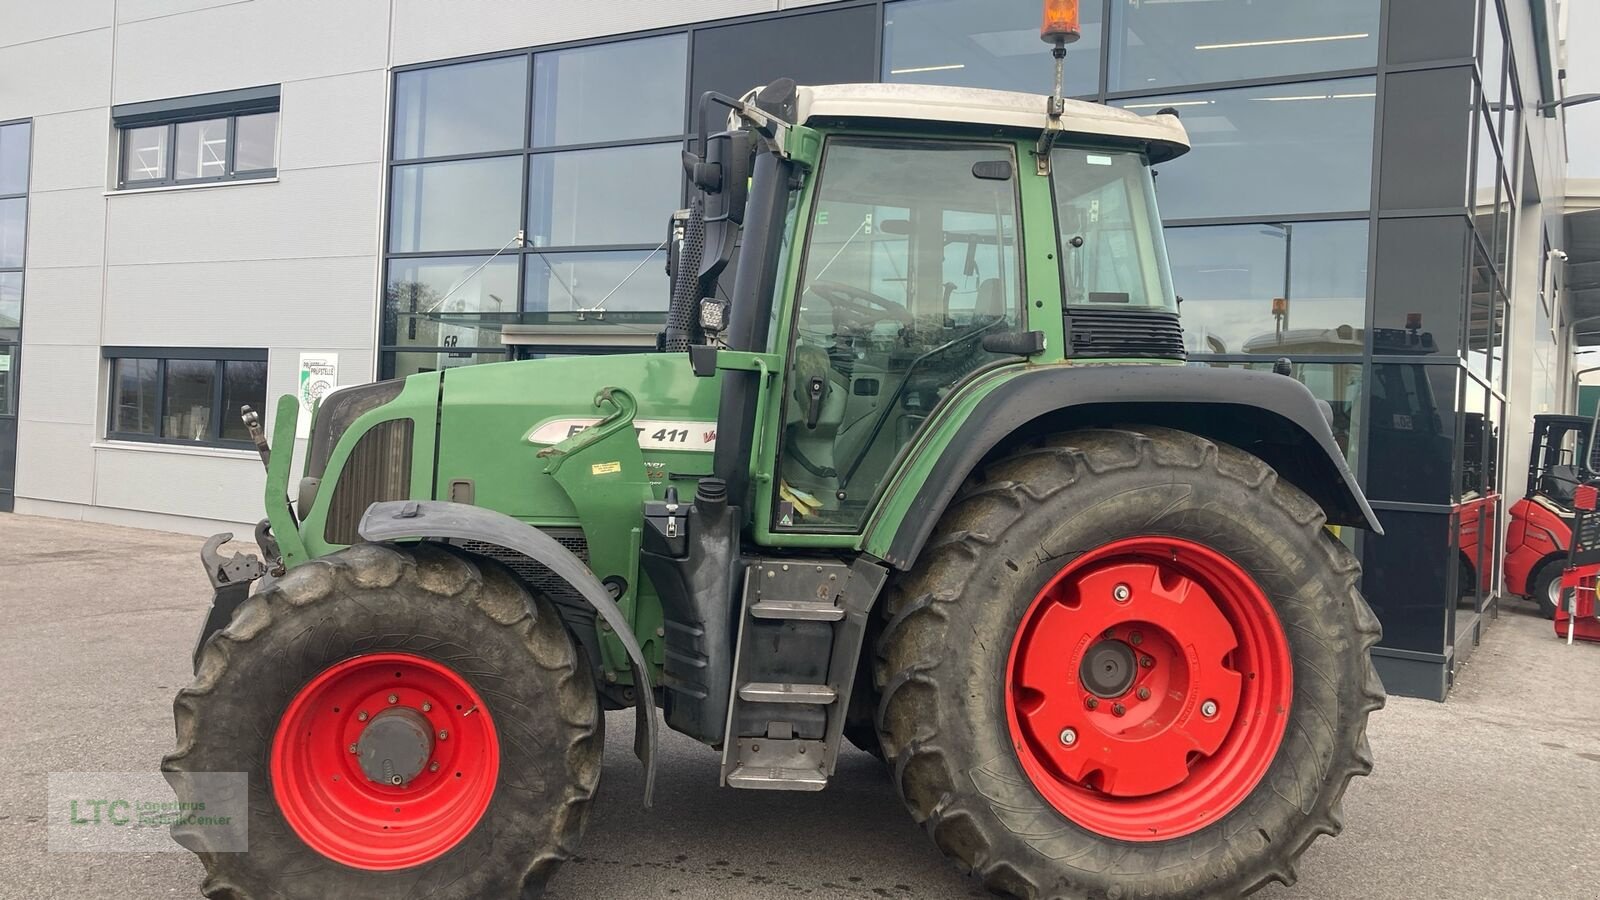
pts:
[328, 795]
[1178, 742]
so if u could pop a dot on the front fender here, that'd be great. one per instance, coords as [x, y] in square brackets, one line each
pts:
[1271, 416]
[397, 520]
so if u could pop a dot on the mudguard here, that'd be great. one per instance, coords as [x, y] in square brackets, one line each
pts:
[398, 520]
[1271, 416]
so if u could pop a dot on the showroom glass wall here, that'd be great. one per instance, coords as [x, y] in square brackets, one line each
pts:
[15, 152]
[1347, 204]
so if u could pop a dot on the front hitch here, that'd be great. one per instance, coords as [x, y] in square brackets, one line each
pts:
[231, 578]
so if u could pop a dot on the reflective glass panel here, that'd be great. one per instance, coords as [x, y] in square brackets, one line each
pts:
[133, 386]
[1297, 148]
[202, 150]
[8, 379]
[971, 43]
[466, 108]
[10, 305]
[1165, 44]
[463, 205]
[449, 301]
[400, 365]
[1421, 286]
[14, 158]
[189, 401]
[1278, 289]
[1412, 432]
[1406, 574]
[255, 143]
[610, 92]
[1493, 59]
[244, 382]
[1479, 309]
[616, 195]
[13, 230]
[615, 281]
[144, 153]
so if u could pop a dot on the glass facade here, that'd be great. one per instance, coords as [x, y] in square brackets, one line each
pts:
[1366, 238]
[16, 141]
[517, 194]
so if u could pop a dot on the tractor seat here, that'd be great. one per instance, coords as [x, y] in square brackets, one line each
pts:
[1561, 511]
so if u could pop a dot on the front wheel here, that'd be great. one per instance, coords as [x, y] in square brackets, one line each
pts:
[411, 723]
[1547, 588]
[1128, 664]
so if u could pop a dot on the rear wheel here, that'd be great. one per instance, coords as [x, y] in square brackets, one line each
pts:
[411, 722]
[1547, 588]
[1129, 663]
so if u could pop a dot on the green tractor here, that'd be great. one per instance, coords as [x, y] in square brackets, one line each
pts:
[918, 465]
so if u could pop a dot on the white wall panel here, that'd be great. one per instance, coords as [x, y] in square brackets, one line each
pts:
[66, 228]
[23, 21]
[62, 307]
[245, 44]
[227, 488]
[55, 75]
[137, 10]
[61, 385]
[332, 121]
[55, 461]
[70, 150]
[427, 30]
[255, 303]
[307, 213]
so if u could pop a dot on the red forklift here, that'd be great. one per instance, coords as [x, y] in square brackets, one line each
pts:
[1539, 539]
[1577, 614]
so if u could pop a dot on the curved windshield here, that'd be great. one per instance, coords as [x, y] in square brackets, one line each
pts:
[1111, 247]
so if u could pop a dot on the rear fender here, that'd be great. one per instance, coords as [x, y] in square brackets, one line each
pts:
[400, 520]
[1271, 416]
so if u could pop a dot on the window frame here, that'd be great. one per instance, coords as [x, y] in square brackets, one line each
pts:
[219, 357]
[229, 106]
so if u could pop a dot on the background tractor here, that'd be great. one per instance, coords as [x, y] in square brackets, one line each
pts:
[918, 466]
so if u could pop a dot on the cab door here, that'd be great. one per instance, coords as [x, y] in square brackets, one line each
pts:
[910, 260]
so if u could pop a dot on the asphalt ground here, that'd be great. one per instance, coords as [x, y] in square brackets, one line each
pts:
[1495, 794]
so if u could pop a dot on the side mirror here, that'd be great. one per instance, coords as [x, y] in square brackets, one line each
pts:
[723, 175]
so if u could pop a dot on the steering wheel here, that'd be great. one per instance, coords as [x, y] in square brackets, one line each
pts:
[857, 304]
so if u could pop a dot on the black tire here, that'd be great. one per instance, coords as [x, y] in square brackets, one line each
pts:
[942, 660]
[1545, 583]
[469, 614]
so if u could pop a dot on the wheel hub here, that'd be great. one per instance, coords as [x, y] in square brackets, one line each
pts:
[395, 747]
[385, 761]
[1176, 688]
[1108, 669]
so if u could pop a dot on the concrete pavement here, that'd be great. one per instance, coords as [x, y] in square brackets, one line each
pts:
[1493, 794]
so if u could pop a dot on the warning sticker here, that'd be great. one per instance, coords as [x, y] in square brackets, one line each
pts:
[605, 468]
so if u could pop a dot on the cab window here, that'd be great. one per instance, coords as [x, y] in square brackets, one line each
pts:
[911, 260]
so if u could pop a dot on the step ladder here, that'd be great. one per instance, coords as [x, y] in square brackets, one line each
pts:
[800, 634]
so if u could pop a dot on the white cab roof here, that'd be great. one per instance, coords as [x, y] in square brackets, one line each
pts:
[1010, 109]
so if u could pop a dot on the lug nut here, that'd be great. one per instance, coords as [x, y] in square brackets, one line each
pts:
[1144, 693]
[1091, 703]
[443, 735]
[396, 780]
[427, 707]
[1209, 709]
[1117, 709]
[1136, 638]
[1068, 737]
[361, 716]
[1121, 593]
[354, 749]
[1147, 661]
[393, 699]
[433, 768]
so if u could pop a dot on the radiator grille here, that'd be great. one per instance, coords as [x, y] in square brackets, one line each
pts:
[1114, 333]
[569, 603]
[378, 469]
